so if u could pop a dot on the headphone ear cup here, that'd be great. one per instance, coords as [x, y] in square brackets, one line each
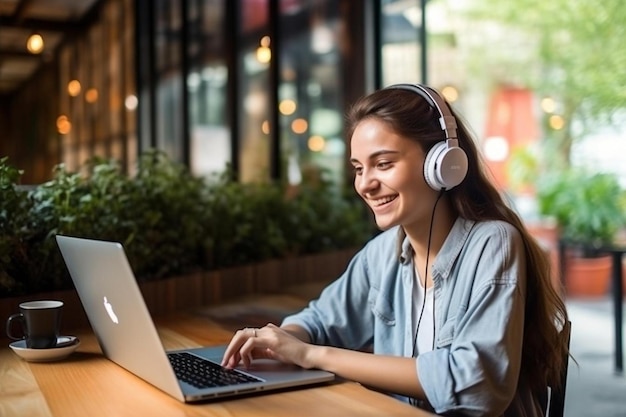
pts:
[430, 166]
[445, 167]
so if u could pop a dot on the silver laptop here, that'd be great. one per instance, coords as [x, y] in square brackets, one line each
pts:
[127, 335]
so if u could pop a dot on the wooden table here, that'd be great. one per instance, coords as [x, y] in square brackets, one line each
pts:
[87, 384]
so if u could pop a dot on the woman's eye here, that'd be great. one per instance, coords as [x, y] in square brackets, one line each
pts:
[357, 170]
[383, 165]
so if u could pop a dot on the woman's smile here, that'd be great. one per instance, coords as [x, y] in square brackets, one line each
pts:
[382, 201]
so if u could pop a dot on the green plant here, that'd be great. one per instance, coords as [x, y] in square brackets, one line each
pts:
[242, 222]
[523, 168]
[13, 220]
[590, 208]
[169, 221]
[67, 204]
[163, 217]
[253, 222]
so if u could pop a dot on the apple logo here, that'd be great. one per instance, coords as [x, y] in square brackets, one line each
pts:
[109, 308]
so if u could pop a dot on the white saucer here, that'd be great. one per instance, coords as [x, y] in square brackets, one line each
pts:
[68, 344]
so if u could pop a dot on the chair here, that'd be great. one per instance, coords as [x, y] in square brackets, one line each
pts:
[556, 395]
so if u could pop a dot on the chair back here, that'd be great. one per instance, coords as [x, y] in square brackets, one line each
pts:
[556, 395]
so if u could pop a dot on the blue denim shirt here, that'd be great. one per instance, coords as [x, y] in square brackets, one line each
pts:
[479, 281]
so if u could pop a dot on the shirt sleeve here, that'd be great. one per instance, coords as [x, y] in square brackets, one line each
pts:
[341, 315]
[478, 371]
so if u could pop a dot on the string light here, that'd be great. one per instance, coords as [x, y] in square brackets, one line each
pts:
[63, 125]
[263, 52]
[316, 143]
[91, 96]
[73, 88]
[299, 126]
[35, 43]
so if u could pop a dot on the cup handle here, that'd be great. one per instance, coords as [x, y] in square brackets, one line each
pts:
[18, 317]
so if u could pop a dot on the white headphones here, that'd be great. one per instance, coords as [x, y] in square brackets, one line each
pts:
[445, 165]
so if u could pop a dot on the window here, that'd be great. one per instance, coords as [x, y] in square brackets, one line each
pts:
[207, 82]
[310, 90]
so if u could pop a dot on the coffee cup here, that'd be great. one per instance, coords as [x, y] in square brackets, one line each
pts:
[40, 323]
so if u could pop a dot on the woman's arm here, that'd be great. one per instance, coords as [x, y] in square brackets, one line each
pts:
[298, 332]
[385, 373]
[288, 344]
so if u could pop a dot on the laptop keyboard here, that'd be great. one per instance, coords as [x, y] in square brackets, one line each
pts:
[202, 373]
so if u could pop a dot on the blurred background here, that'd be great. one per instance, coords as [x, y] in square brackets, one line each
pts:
[261, 87]
[263, 84]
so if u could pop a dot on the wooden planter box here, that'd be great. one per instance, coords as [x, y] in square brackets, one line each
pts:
[205, 288]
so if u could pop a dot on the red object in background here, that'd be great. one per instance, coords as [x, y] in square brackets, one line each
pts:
[512, 117]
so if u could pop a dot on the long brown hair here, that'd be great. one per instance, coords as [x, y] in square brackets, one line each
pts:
[476, 198]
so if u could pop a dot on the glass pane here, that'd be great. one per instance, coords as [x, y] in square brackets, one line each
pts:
[95, 75]
[400, 41]
[310, 99]
[169, 117]
[130, 87]
[207, 84]
[253, 61]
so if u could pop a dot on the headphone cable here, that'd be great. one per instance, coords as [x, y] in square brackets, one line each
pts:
[430, 233]
[414, 401]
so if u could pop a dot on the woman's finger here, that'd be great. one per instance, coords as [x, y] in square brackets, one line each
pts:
[232, 354]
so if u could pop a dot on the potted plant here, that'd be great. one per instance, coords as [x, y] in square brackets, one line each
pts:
[589, 209]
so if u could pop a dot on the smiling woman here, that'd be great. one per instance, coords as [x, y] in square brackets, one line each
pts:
[454, 282]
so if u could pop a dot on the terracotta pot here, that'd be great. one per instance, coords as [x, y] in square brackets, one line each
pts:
[587, 277]
[547, 235]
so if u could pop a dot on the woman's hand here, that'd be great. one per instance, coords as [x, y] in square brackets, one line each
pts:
[290, 345]
[269, 342]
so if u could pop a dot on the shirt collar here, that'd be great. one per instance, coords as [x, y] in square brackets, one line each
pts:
[449, 251]
[454, 243]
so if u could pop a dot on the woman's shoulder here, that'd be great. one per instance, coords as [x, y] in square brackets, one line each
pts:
[496, 229]
[495, 237]
[380, 256]
[476, 234]
[382, 247]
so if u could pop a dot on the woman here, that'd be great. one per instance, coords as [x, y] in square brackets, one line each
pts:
[451, 307]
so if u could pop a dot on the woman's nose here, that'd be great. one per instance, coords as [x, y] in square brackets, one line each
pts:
[366, 182]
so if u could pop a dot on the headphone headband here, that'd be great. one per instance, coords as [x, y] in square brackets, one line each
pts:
[447, 121]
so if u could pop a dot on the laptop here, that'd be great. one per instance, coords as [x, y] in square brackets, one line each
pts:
[127, 335]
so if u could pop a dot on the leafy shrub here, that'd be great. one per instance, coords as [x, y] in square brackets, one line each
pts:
[590, 208]
[13, 222]
[169, 221]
